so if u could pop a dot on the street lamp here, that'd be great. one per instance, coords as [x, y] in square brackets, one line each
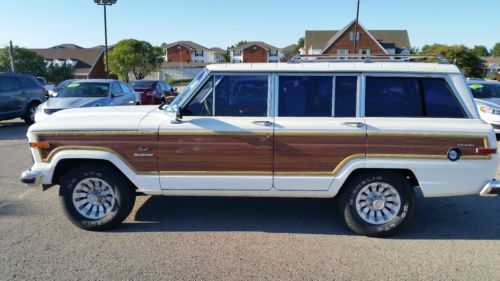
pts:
[105, 3]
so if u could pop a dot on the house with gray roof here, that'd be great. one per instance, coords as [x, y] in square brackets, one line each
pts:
[191, 52]
[341, 41]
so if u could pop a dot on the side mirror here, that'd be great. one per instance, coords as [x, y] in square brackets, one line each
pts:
[175, 114]
[174, 89]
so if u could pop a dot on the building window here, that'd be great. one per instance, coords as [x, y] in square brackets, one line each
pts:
[342, 52]
[352, 37]
[273, 53]
[198, 53]
[237, 53]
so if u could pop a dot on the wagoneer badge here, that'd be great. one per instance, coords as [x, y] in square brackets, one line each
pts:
[143, 151]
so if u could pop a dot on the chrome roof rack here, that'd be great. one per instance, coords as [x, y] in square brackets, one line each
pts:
[364, 58]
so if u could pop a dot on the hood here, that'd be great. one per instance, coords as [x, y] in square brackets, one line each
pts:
[492, 103]
[112, 118]
[76, 102]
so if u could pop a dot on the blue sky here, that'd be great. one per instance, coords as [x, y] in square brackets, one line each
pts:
[220, 23]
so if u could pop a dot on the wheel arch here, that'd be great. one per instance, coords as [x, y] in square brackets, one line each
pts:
[407, 174]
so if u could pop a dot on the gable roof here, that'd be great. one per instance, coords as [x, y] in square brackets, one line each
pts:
[289, 48]
[259, 43]
[488, 61]
[87, 57]
[66, 46]
[341, 32]
[217, 50]
[318, 39]
[189, 44]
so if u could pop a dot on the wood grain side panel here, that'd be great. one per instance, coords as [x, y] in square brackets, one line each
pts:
[124, 145]
[422, 145]
[319, 154]
[215, 153]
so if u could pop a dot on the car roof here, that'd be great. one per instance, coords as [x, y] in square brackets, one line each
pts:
[410, 67]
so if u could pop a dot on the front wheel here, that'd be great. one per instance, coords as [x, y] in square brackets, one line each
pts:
[378, 204]
[96, 197]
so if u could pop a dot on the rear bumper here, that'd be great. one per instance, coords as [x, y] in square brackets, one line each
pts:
[492, 188]
[31, 178]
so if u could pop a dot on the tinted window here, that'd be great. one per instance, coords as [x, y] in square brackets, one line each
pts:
[345, 96]
[305, 96]
[116, 89]
[241, 95]
[485, 91]
[410, 97]
[27, 82]
[85, 90]
[202, 102]
[440, 100]
[393, 97]
[8, 83]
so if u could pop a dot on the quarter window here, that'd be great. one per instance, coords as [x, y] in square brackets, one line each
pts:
[241, 95]
[305, 96]
[410, 97]
[27, 82]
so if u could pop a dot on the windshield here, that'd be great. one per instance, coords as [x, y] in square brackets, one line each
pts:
[142, 84]
[85, 90]
[62, 85]
[194, 83]
[485, 91]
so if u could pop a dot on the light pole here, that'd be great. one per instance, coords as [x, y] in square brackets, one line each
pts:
[105, 3]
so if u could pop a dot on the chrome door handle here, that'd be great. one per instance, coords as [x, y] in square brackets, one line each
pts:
[265, 123]
[356, 124]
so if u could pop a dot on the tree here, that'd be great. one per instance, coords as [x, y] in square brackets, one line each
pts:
[460, 55]
[138, 57]
[300, 44]
[57, 74]
[25, 60]
[227, 53]
[495, 51]
[480, 51]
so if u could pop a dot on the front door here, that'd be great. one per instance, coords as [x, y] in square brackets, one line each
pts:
[317, 130]
[224, 140]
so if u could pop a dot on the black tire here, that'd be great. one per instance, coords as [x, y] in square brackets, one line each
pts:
[377, 179]
[29, 115]
[124, 195]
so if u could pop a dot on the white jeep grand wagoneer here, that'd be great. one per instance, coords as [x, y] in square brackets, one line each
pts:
[368, 132]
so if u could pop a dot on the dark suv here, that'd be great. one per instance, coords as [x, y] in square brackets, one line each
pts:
[20, 95]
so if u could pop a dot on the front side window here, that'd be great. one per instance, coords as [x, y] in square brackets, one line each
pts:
[202, 102]
[410, 97]
[116, 89]
[305, 96]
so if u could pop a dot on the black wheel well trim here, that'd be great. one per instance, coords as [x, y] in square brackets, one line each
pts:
[405, 173]
[65, 165]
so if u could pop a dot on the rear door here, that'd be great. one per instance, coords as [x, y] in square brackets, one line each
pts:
[317, 129]
[11, 97]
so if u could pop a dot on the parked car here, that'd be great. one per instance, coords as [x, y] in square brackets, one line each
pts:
[54, 91]
[154, 91]
[44, 83]
[88, 93]
[371, 134]
[20, 95]
[487, 97]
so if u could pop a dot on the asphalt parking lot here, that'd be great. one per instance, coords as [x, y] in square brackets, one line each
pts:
[191, 238]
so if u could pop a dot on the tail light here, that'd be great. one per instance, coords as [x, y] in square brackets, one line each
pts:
[486, 151]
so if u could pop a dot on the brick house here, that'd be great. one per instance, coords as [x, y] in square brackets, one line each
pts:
[255, 52]
[341, 42]
[87, 62]
[191, 52]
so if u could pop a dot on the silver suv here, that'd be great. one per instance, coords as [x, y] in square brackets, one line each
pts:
[20, 95]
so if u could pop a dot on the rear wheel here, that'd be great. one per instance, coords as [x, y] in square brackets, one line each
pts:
[29, 115]
[96, 197]
[377, 203]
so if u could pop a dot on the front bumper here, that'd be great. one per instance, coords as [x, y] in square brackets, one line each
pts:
[31, 178]
[492, 188]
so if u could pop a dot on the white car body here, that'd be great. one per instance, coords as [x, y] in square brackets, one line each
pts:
[436, 175]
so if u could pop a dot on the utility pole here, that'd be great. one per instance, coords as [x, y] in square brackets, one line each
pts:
[105, 3]
[356, 29]
[11, 57]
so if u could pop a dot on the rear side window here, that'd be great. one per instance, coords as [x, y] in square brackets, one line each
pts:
[305, 96]
[241, 95]
[8, 83]
[410, 97]
[125, 87]
[27, 82]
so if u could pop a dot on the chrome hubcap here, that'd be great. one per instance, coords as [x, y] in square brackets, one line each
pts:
[378, 203]
[32, 112]
[93, 198]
